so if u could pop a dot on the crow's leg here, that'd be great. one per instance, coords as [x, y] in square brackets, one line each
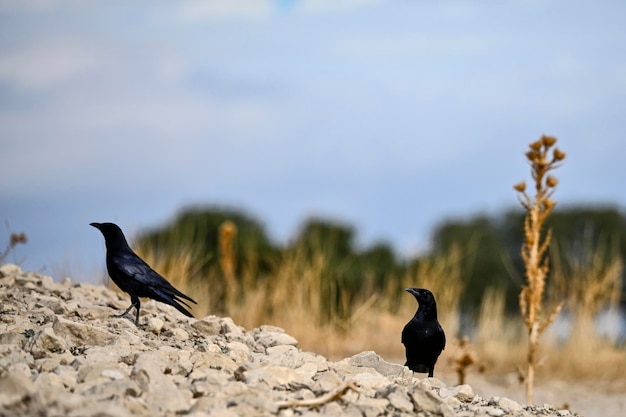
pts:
[134, 303]
[431, 370]
[137, 304]
[124, 313]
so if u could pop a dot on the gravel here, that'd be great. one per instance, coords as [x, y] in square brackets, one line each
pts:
[61, 354]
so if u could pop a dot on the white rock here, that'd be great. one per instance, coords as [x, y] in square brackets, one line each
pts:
[208, 326]
[46, 342]
[155, 325]
[425, 400]
[271, 339]
[509, 406]
[13, 387]
[372, 360]
[9, 269]
[373, 381]
[401, 402]
[273, 376]
[371, 407]
[152, 381]
[307, 371]
[179, 366]
[463, 393]
[238, 352]
[80, 334]
[230, 329]
[113, 374]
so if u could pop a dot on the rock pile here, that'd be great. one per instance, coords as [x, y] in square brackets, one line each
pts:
[61, 354]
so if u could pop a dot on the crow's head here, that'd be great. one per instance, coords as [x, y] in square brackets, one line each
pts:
[113, 235]
[422, 295]
[427, 306]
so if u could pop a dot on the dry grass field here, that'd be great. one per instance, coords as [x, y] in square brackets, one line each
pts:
[494, 346]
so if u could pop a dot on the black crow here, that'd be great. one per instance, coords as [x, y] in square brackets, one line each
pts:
[423, 337]
[134, 276]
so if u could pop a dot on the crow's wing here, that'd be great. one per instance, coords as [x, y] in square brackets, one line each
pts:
[135, 267]
[405, 332]
[443, 337]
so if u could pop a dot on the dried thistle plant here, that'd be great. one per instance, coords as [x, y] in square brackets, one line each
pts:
[465, 357]
[14, 240]
[535, 246]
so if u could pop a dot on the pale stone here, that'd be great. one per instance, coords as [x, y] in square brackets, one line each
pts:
[82, 334]
[208, 326]
[177, 334]
[238, 352]
[270, 339]
[47, 341]
[9, 269]
[372, 360]
[428, 402]
[509, 406]
[155, 325]
[13, 387]
[372, 381]
[12, 338]
[401, 402]
[371, 407]
[272, 376]
[174, 365]
[462, 393]
[230, 329]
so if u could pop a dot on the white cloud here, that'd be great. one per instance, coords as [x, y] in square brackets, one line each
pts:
[331, 6]
[263, 9]
[224, 10]
[411, 46]
[28, 6]
[47, 62]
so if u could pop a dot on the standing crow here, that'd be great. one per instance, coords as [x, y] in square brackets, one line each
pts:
[134, 276]
[423, 337]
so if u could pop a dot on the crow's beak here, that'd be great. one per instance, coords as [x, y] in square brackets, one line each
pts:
[96, 225]
[418, 293]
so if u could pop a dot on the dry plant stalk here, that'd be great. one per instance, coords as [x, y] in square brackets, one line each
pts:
[15, 239]
[535, 246]
[464, 359]
[590, 281]
[226, 237]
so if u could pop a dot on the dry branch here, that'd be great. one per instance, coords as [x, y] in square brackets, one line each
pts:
[331, 396]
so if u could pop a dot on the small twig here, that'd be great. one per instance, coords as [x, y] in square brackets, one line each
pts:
[333, 395]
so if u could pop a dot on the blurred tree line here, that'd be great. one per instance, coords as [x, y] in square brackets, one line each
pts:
[489, 244]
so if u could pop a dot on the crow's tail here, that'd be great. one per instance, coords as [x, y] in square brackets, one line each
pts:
[173, 300]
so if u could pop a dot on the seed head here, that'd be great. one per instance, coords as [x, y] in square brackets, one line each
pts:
[532, 156]
[548, 204]
[520, 186]
[551, 181]
[548, 141]
[18, 238]
[535, 146]
[558, 155]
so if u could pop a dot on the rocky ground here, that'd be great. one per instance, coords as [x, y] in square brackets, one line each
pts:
[61, 354]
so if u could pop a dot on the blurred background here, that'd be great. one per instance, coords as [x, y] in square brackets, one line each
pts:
[342, 150]
[389, 115]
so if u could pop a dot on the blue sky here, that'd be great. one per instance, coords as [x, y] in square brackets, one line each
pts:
[389, 115]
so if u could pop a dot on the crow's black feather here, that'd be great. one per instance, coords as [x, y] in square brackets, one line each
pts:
[134, 276]
[423, 337]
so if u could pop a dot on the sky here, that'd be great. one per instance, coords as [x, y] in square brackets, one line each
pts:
[391, 116]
